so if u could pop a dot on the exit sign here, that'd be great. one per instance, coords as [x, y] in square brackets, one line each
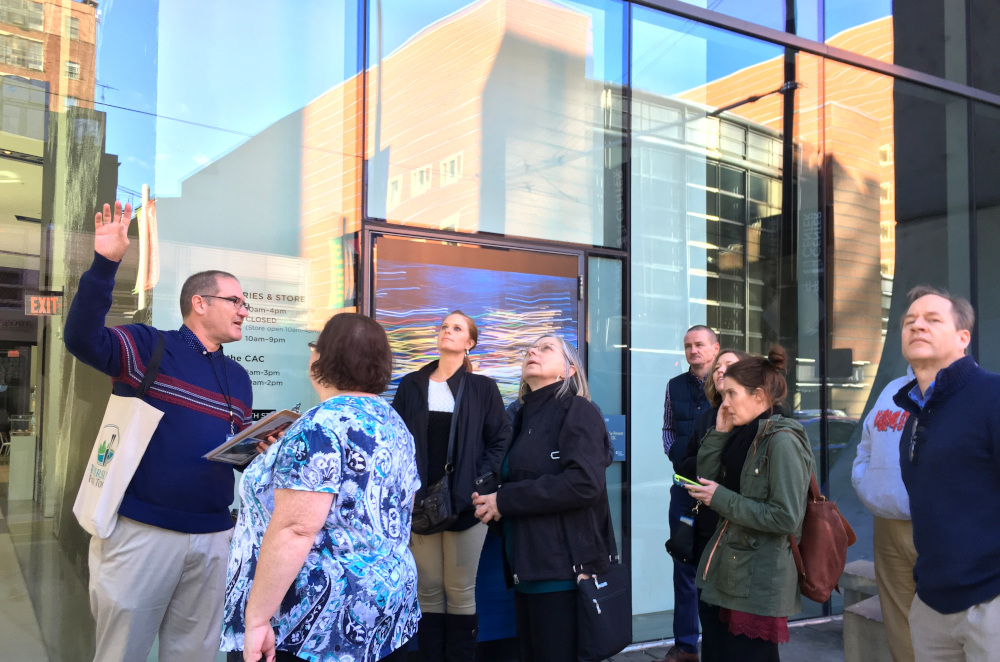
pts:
[43, 304]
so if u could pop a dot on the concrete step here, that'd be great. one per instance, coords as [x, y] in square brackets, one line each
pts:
[864, 632]
[858, 582]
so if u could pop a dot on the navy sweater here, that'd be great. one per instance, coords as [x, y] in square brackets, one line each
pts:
[954, 486]
[173, 488]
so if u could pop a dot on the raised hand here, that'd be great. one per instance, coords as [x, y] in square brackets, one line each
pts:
[111, 232]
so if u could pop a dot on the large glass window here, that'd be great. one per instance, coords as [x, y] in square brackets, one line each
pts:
[499, 117]
[630, 172]
[766, 203]
[706, 241]
[252, 159]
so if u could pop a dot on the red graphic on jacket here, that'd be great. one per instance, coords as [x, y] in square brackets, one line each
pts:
[891, 418]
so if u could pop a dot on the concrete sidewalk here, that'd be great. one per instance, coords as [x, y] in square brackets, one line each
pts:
[818, 640]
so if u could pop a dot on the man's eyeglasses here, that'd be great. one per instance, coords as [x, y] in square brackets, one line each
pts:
[236, 301]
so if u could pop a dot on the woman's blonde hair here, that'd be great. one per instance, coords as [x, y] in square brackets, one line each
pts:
[575, 384]
[713, 395]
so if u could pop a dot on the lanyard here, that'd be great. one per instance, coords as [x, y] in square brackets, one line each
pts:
[226, 392]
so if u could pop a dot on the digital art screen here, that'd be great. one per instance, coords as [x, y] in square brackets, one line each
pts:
[514, 296]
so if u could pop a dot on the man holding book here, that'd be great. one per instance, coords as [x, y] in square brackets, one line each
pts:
[162, 570]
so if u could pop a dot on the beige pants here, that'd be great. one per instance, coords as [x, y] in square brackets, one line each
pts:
[447, 564]
[894, 560]
[146, 581]
[972, 635]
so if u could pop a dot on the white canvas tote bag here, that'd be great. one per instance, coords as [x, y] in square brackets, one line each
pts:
[125, 432]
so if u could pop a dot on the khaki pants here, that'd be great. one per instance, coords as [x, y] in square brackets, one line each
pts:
[145, 581]
[972, 635]
[895, 557]
[447, 564]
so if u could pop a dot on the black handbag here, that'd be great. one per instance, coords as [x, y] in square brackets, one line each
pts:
[681, 544]
[434, 511]
[603, 610]
[604, 614]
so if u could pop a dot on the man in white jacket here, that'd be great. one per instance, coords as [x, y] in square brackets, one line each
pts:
[879, 484]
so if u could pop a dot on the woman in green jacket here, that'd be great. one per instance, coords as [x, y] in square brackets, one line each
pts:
[754, 470]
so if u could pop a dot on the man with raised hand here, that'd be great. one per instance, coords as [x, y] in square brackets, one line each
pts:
[162, 571]
[950, 461]
[684, 402]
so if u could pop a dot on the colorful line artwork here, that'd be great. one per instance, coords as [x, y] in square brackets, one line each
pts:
[511, 310]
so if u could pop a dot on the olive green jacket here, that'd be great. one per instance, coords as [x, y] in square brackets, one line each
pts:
[748, 564]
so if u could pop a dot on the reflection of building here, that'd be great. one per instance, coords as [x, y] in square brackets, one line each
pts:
[474, 147]
[715, 186]
[52, 168]
[448, 154]
[442, 155]
[53, 42]
[847, 139]
[482, 144]
[47, 62]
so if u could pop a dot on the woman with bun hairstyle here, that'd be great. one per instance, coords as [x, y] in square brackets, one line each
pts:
[447, 562]
[754, 470]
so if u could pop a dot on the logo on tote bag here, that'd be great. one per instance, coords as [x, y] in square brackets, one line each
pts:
[109, 442]
[110, 436]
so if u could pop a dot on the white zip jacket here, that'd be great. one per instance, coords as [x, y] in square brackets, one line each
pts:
[876, 476]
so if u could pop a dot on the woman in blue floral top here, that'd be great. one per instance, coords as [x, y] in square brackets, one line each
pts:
[319, 567]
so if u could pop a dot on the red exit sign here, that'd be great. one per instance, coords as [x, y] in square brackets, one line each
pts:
[43, 304]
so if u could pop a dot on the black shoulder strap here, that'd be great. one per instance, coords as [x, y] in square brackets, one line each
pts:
[448, 466]
[613, 556]
[152, 368]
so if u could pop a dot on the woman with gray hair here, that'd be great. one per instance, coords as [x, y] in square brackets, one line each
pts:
[552, 502]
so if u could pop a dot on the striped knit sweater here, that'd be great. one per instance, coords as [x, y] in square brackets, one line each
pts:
[173, 488]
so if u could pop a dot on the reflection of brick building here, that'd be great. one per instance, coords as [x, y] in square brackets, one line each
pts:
[47, 49]
[54, 42]
[847, 139]
[463, 134]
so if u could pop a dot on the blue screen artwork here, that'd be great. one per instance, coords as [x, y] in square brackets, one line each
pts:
[511, 309]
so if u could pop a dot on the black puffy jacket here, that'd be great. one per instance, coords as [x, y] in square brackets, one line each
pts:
[555, 488]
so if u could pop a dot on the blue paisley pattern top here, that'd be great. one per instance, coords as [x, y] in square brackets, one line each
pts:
[355, 598]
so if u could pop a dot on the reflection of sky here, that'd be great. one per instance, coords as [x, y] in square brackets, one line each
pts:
[673, 55]
[237, 67]
[403, 19]
[839, 15]
[126, 60]
[844, 14]
[234, 67]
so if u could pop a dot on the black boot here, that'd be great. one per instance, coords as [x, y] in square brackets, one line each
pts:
[462, 632]
[430, 637]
